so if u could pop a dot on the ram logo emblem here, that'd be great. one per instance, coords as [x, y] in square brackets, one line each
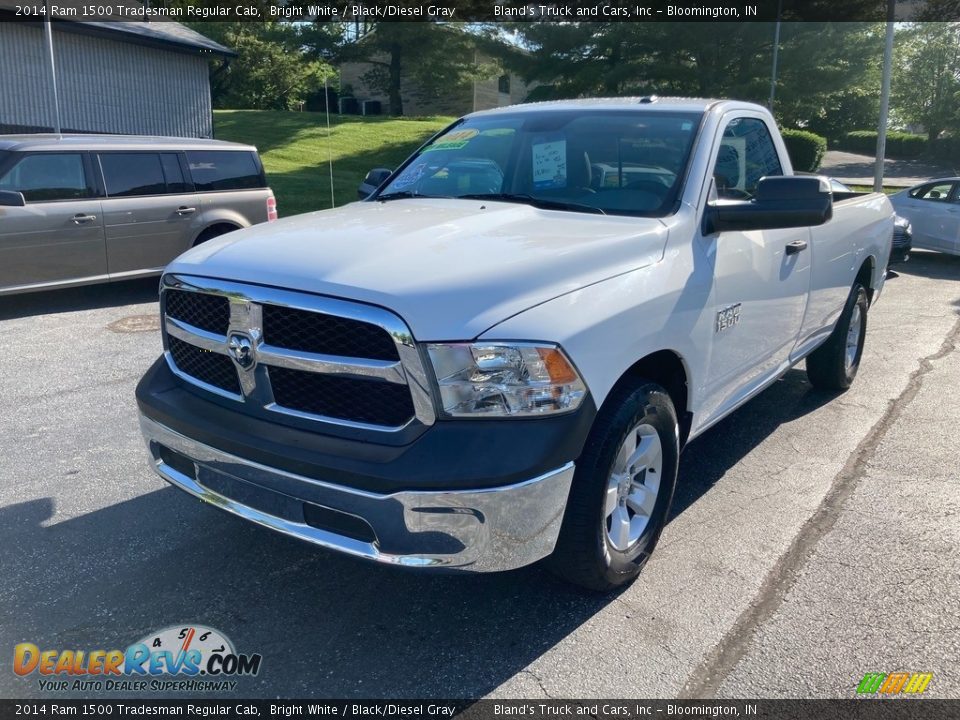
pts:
[241, 350]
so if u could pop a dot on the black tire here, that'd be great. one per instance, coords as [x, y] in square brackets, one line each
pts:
[584, 554]
[211, 232]
[827, 366]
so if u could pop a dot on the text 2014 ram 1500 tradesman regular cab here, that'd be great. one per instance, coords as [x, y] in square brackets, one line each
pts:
[498, 355]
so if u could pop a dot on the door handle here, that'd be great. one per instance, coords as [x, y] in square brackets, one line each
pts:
[186, 211]
[796, 246]
[80, 218]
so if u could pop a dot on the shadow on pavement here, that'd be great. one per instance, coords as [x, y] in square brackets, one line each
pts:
[327, 626]
[708, 458]
[87, 297]
[929, 264]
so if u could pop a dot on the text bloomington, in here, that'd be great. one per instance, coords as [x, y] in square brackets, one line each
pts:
[637, 11]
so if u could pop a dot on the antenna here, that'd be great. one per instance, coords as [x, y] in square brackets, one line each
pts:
[326, 104]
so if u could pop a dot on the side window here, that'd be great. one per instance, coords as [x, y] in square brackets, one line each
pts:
[746, 154]
[173, 174]
[224, 170]
[132, 174]
[48, 176]
[937, 192]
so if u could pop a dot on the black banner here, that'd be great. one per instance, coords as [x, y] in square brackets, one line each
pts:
[484, 10]
[864, 709]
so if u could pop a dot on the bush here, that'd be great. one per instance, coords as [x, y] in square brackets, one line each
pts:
[806, 149]
[860, 141]
[947, 149]
[899, 144]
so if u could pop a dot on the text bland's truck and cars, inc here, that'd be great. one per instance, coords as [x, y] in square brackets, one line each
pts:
[498, 356]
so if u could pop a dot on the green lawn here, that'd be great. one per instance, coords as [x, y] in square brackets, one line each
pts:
[295, 148]
[887, 189]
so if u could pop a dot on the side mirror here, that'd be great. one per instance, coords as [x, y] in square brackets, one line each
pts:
[374, 179]
[780, 202]
[9, 198]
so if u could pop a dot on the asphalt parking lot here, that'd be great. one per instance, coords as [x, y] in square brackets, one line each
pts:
[814, 538]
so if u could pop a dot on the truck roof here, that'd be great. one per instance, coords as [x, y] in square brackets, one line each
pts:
[50, 141]
[645, 102]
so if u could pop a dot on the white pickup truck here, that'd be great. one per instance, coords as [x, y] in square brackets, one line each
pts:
[498, 355]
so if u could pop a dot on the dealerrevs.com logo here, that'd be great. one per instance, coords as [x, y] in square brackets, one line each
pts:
[190, 658]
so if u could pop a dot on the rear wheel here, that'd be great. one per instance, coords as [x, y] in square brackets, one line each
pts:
[621, 490]
[834, 365]
[215, 231]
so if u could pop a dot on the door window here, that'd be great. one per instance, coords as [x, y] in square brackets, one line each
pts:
[224, 170]
[48, 176]
[173, 174]
[746, 154]
[133, 174]
[935, 192]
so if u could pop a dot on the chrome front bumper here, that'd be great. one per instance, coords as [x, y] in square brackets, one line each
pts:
[476, 530]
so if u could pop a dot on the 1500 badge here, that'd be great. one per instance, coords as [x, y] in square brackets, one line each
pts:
[728, 317]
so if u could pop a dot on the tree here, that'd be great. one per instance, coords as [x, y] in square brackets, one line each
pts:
[827, 76]
[926, 80]
[274, 69]
[435, 56]
[830, 74]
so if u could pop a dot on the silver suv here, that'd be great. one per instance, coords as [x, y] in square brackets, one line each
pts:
[79, 209]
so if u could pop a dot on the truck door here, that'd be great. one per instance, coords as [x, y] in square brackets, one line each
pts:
[761, 277]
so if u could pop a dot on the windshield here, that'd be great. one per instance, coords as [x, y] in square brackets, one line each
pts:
[612, 162]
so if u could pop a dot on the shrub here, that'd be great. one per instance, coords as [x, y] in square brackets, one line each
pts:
[899, 144]
[947, 149]
[806, 149]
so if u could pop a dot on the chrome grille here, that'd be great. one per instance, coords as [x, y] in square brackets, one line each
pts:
[325, 334]
[207, 367]
[341, 397]
[307, 356]
[207, 312]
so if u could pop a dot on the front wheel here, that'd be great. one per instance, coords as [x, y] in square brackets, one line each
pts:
[834, 365]
[621, 491]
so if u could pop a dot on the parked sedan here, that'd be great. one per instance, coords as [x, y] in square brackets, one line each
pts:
[933, 210]
[902, 242]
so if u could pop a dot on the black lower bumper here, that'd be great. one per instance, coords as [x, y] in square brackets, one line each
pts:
[450, 455]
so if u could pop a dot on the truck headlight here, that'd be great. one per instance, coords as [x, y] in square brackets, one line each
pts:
[505, 379]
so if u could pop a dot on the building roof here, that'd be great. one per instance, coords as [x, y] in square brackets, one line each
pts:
[167, 34]
[49, 141]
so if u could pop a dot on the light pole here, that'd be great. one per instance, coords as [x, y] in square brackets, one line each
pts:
[53, 70]
[776, 54]
[884, 102]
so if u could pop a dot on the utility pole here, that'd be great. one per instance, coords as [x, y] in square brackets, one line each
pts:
[884, 102]
[53, 70]
[776, 54]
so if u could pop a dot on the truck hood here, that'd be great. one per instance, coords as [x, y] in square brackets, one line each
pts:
[450, 268]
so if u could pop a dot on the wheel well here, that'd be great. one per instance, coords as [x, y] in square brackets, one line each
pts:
[215, 230]
[666, 368]
[865, 276]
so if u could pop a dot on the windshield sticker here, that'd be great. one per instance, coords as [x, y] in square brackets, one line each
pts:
[455, 140]
[409, 176]
[550, 164]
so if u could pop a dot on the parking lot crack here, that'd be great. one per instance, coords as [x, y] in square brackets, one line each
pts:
[539, 682]
[710, 673]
